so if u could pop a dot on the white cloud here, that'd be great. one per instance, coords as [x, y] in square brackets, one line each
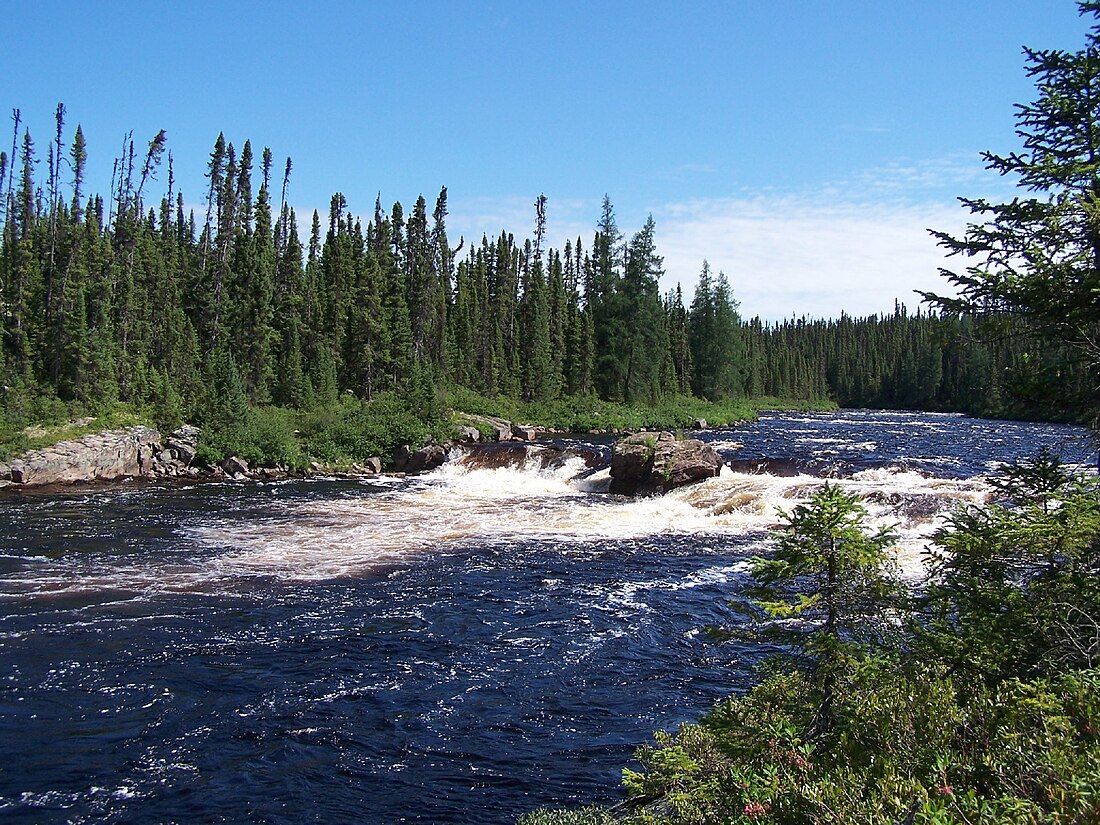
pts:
[788, 256]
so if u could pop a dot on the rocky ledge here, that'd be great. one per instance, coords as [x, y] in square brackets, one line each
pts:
[142, 452]
[130, 453]
[654, 463]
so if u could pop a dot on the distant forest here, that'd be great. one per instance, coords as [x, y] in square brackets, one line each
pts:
[129, 297]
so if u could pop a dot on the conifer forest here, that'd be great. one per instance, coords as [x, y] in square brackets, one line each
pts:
[132, 297]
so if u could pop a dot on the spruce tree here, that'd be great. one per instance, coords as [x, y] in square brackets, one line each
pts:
[1037, 256]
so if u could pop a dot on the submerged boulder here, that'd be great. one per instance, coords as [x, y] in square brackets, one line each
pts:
[653, 463]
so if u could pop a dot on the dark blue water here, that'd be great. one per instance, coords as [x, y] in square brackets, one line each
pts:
[168, 655]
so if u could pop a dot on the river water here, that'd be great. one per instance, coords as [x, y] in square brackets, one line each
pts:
[464, 646]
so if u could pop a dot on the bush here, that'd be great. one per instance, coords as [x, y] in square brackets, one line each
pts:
[912, 745]
[13, 441]
[357, 431]
[265, 437]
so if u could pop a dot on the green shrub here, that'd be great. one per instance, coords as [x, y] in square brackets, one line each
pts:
[13, 441]
[358, 431]
[910, 745]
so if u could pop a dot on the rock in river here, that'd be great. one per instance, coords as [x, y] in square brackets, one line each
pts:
[649, 463]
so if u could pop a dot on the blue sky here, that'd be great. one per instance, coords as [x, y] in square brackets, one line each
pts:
[802, 147]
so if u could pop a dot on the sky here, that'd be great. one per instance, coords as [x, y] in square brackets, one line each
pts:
[802, 147]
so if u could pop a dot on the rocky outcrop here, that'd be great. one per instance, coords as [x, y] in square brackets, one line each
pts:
[652, 463]
[536, 457]
[181, 446]
[498, 429]
[136, 452]
[108, 455]
[469, 434]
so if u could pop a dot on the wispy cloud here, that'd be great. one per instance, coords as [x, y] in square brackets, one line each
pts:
[685, 171]
[915, 178]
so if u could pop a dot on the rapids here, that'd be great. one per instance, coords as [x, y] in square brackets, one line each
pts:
[460, 646]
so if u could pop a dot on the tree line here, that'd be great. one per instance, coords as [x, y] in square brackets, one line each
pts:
[134, 298]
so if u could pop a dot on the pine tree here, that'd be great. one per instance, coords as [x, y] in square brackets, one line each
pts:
[829, 572]
[534, 331]
[603, 297]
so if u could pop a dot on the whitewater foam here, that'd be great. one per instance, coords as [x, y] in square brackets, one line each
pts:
[537, 498]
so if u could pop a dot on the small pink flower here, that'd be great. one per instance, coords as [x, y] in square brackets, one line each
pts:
[754, 810]
[943, 789]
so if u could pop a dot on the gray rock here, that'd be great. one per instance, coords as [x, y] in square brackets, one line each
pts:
[373, 465]
[401, 457]
[524, 433]
[426, 458]
[105, 455]
[469, 434]
[501, 430]
[234, 466]
[649, 463]
[183, 443]
[700, 423]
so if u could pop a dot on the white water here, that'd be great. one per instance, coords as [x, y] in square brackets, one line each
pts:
[456, 504]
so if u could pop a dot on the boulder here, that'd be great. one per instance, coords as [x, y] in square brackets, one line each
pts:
[407, 460]
[183, 443]
[373, 465]
[522, 432]
[469, 434]
[649, 463]
[234, 466]
[401, 457]
[700, 423]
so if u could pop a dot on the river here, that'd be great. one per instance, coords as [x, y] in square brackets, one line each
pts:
[462, 646]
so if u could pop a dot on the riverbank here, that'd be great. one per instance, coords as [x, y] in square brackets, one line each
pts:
[352, 438]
